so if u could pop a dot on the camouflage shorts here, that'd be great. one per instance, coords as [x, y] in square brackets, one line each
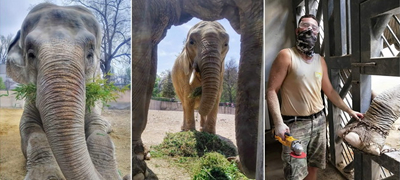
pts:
[312, 134]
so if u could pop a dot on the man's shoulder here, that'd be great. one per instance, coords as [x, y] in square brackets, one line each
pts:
[285, 52]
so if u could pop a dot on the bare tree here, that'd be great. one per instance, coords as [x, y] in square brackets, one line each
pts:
[114, 16]
[4, 43]
[230, 81]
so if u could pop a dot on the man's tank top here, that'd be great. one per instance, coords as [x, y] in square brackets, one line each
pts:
[301, 89]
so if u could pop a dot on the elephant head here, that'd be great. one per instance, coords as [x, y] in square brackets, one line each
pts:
[203, 56]
[57, 49]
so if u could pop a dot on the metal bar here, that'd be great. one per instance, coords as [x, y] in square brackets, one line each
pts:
[388, 45]
[384, 66]
[339, 17]
[346, 88]
[397, 19]
[363, 64]
[393, 34]
[307, 6]
[391, 161]
[376, 7]
[348, 30]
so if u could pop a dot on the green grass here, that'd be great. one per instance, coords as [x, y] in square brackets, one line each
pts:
[203, 155]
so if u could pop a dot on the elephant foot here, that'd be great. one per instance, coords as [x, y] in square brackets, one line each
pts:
[40, 162]
[183, 129]
[46, 168]
[46, 171]
[140, 171]
[102, 152]
[208, 130]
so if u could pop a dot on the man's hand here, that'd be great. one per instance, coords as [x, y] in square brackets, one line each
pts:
[280, 130]
[356, 115]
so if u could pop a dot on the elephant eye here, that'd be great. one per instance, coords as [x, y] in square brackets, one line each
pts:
[226, 44]
[191, 42]
[90, 55]
[31, 54]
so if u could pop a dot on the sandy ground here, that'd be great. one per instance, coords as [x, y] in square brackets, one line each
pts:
[161, 122]
[12, 161]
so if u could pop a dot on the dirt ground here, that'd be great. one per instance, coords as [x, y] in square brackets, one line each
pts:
[161, 122]
[12, 161]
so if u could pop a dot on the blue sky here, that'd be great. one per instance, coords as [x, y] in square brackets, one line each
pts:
[12, 14]
[171, 46]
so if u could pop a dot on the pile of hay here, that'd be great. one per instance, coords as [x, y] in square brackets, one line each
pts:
[204, 155]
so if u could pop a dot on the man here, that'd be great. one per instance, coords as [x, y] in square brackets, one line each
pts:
[300, 75]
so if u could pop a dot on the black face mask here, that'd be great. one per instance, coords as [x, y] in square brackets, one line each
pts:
[305, 42]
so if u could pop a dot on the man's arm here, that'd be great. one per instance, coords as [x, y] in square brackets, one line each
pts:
[277, 74]
[333, 96]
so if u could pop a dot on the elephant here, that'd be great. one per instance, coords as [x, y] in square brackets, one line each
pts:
[369, 134]
[57, 49]
[151, 20]
[201, 64]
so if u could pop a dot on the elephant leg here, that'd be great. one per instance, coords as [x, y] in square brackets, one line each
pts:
[143, 80]
[188, 116]
[100, 146]
[40, 161]
[203, 120]
[211, 121]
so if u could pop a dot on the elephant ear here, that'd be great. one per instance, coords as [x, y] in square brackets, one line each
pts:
[15, 61]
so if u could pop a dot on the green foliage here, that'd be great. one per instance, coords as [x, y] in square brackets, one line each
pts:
[2, 85]
[97, 90]
[156, 89]
[216, 166]
[100, 90]
[196, 92]
[230, 81]
[168, 90]
[193, 144]
[25, 91]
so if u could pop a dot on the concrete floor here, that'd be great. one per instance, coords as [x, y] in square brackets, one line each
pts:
[274, 166]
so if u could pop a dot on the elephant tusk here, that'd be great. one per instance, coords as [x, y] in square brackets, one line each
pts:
[192, 77]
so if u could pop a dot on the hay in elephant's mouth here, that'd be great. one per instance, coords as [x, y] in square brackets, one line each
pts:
[196, 92]
[98, 90]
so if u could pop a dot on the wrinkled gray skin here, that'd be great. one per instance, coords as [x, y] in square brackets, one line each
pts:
[202, 60]
[57, 49]
[151, 20]
[382, 113]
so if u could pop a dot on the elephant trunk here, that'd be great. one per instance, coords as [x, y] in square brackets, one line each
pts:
[61, 103]
[210, 71]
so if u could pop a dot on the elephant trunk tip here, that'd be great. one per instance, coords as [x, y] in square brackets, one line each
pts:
[204, 110]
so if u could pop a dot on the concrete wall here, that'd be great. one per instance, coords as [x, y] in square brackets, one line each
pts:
[177, 106]
[10, 101]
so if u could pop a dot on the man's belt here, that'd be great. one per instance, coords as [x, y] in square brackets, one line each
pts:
[288, 119]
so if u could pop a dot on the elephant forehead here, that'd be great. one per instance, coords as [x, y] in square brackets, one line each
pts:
[72, 18]
[209, 25]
